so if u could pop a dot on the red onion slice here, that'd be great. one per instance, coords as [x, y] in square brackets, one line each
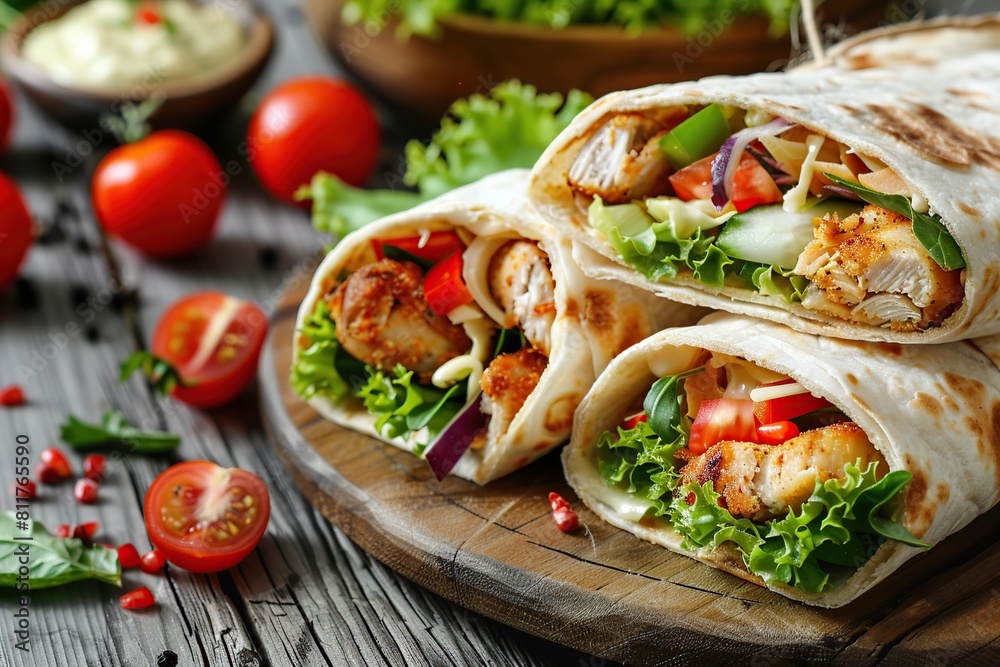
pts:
[728, 158]
[840, 191]
[455, 439]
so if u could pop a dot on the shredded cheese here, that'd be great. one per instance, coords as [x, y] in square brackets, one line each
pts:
[471, 364]
[795, 199]
[777, 391]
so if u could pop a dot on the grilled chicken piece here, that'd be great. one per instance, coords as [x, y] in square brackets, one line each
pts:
[520, 279]
[760, 481]
[872, 264]
[383, 319]
[622, 161]
[507, 382]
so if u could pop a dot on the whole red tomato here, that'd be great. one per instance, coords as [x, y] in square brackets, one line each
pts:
[161, 194]
[6, 117]
[15, 230]
[308, 125]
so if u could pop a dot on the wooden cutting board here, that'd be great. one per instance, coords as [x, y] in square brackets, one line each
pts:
[497, 551]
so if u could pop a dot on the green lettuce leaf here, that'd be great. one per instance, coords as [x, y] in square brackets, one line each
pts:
[641, 462]
[839, 526]
[402, 406]
[506, 129]
[423, 17]
[52, 561]
[773, 280]
[324, 368]
[928, 229]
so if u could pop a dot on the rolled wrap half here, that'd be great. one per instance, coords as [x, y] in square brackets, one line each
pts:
[932, 411]
[735, 210]
[563, 329]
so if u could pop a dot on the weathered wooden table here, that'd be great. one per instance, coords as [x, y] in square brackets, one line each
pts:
[307, 595]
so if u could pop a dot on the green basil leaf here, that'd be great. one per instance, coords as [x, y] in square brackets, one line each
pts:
[115, 430]
[928, 229]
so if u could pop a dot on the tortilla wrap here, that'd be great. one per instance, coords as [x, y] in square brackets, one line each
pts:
[931, 410]
[937, 127]
[594, 320]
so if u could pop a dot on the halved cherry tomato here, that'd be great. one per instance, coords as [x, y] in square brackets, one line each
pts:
[787, 407]
[444, 288]
[206, 518]
[722, 419]
[752, 185]
[633, 420]
[776, 433]
[695, 180]
[213, 340]
[438, 246]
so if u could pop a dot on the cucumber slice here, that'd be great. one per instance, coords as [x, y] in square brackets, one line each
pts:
[772, 235]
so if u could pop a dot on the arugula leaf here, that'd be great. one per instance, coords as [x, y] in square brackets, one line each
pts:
[53, 561]
[928, 229]
[663, 404]
[424, 17]
[114, 429]
[509, 340]
[160, 372]
[508, 128]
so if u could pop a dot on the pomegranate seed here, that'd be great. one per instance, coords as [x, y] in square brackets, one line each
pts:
[140, 598]
[63, 531]
[12, 395]
[94, 466]
[566, 518]
[25, 492]
[128, 555]
[85, 531]
[54, 465]
[85, 491]
[152, 562]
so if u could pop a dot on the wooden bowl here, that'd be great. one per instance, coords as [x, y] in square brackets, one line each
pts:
[187, 102]
[473, 53]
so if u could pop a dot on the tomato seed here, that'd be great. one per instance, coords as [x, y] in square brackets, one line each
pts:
[128, 556]
[11, 396]
[152, 562]
[140, 598]
[85, 491]
[94, 466]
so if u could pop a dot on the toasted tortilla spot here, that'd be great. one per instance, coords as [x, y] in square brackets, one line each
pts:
[927, 403]
[599, 310]
[972, 390]
[943, 492]
[920, 134]
[892, 349]
[852, 378]
[968, 210]
[572, 307]
[919, 512]
[982, 148]
[559, 416]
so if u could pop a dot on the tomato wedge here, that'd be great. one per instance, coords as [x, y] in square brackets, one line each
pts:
[633, 420]
[206, 518]
[695, 180]
[787, 407]
[444, 288]
[721, 419]
[776, 433]
[752, 185]
[436, 247]
[213, 340]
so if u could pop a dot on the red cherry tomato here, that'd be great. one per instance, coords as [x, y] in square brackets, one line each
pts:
[752, 185]
[53, 466]
[11, 396]
[312, 124]
[436, 247]
[140, 598]
[633, 420]
[721, 419]
[162, 194]
[206, 518]
[94, 466]
[787, 407]
[128, 556]
[213, 340]
[776, 433]
[6, 117]
[694, 181]
[15, 230]
[85, 491]
[444, 288]
[152, 562]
